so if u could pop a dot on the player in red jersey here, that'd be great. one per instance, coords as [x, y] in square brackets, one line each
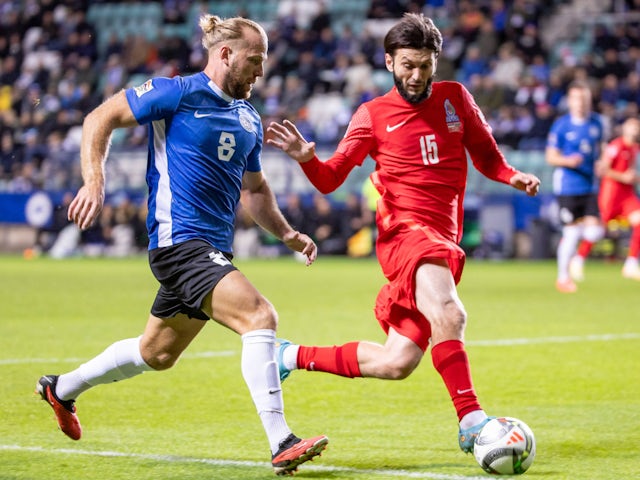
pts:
[418, 134]
[617, 198]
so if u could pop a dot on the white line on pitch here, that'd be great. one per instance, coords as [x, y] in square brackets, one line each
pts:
[606, 337]
[506, 342]
[238, 463]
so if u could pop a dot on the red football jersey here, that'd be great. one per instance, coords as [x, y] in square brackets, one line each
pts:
[420, 154]
[616, 198]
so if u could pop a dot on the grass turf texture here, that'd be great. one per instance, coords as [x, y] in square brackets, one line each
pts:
[576, 387]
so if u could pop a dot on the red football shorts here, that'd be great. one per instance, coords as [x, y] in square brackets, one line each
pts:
[401, 250]
[614, 204]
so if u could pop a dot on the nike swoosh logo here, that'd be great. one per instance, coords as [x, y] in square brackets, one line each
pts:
[274, 390]
[201, 115]
[391, 129]
[461, 392]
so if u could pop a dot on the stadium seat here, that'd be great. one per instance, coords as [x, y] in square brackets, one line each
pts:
[382, 79]
[181, 30]
[263, 11]
[225, 8]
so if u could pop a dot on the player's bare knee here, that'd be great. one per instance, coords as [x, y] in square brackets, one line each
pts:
[264, 316]
[399, 370]
[400, 365]
[455, 315]
[161, 361]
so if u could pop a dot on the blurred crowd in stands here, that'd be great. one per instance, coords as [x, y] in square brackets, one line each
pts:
[54, 70]
[121, 231]
[344, 228]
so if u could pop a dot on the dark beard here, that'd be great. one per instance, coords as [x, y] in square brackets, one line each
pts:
[413, 99]
[236, 89]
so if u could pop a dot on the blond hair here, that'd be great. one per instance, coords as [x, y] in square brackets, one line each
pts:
[216, 30]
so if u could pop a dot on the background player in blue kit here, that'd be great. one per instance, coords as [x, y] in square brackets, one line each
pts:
[205, 142]
[573, 147]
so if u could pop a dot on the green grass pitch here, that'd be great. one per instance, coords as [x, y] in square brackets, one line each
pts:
[568, 365]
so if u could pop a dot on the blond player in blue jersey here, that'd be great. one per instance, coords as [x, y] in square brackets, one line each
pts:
[205, 142]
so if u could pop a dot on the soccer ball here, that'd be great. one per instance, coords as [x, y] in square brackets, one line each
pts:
[505, 446]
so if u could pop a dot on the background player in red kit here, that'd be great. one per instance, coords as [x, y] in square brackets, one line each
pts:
[617, 197]
[417, 134]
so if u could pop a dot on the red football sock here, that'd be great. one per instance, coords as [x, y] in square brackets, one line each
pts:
[452, 363]
[339, 360]
[634, 242]
[585, 248]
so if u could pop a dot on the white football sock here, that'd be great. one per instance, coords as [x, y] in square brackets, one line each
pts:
[630, 263]
[472, 418]
[290, 357]
[567, 248]
[593, 233]
[119, 361]
[260, 372]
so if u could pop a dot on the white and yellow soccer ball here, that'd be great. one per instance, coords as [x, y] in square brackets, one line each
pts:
[505, 446]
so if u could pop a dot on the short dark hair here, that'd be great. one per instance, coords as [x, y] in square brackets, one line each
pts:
[413, 31]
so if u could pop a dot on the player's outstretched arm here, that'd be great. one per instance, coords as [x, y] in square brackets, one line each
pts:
[301, 242]
[555, 158]
[96, 134]
[288, 138]
[260, 202]
[527, 182]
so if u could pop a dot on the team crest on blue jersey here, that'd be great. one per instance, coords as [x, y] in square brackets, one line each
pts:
[144, 88]
[247, 123]
[451, 117]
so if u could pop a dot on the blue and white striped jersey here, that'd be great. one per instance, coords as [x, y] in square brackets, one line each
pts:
[583, 137]
[201, 142]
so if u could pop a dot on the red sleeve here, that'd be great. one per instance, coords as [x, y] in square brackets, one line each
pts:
[329, 175]
[352, 151]
[482, 147]
[611, 152]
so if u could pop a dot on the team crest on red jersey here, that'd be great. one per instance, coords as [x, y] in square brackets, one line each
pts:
[451, 117]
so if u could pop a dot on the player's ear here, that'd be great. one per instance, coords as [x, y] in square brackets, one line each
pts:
[388, 61]
[225, 54]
